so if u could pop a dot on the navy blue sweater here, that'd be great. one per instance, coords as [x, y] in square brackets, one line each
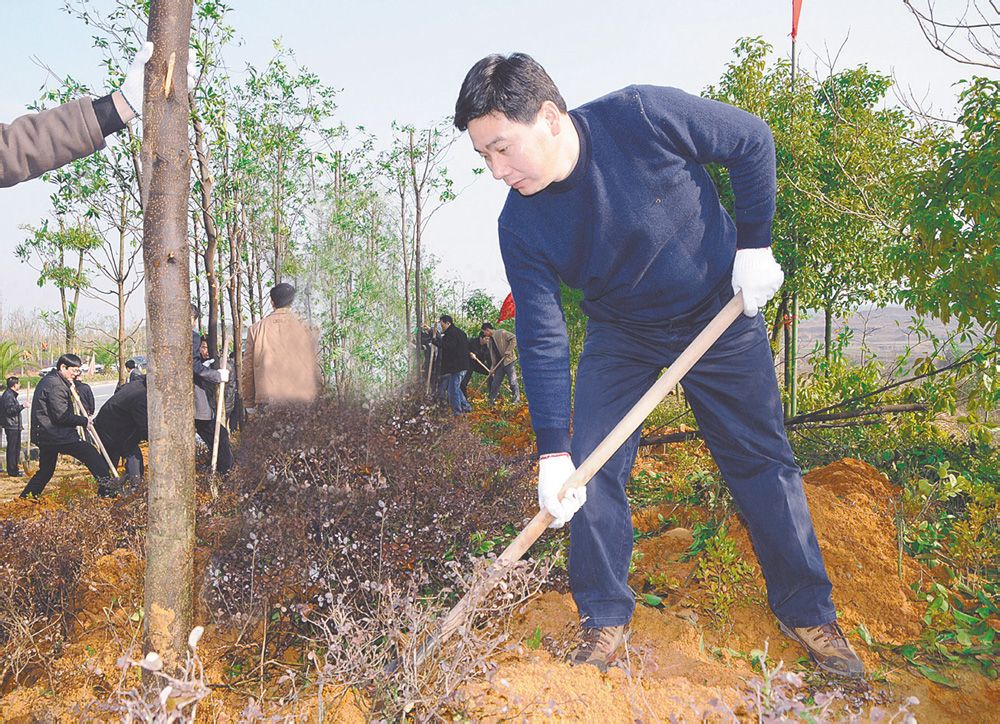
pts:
[637, 226]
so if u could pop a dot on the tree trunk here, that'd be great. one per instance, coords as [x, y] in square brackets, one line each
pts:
[417, 221]
[827, 333]
[211, 232]
[123, 227]
[197, 274]
[166, 158]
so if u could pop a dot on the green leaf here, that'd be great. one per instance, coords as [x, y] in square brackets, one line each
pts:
[651, 599]
[535, 640]
[862, 631]
[934, 675]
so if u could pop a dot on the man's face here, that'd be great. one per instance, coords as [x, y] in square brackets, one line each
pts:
[444, 324]
[69, 373]
[522, 155]
[487, 333]
[203, 350]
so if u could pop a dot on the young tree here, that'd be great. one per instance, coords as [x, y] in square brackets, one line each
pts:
[415, 166]
[58, 256]
[166, 156]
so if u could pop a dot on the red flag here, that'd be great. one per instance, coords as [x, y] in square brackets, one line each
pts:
[507, 308]
[796, 9]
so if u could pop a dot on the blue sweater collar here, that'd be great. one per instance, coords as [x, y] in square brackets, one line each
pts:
[582, 162]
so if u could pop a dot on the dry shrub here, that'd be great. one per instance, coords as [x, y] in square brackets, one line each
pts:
[347, 526]
[42, 561]
[389, 650]
[360, 496]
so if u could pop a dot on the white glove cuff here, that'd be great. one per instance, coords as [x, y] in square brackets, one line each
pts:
[749, 261]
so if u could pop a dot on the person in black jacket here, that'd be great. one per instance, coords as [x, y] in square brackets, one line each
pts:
[122, 424]
[454, 346]
[57, 430]
[479, 356]
[133, 373]
[10, 411]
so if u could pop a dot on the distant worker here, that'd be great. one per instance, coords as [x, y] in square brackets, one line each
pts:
[206, 387]
[134, 373]
[479, 360]
[123, 423]
[10, 411]
[502, 346]
[38, 142]
[57, 430]
[280, 360]
[454, 346]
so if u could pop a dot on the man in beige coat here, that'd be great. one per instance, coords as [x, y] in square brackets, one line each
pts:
[280, 362]
[39, 142]
[503, 357]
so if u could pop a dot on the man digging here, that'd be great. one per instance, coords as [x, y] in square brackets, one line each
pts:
[613, 198]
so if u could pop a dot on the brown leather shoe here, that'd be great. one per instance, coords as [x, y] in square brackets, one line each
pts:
[599, 647]
[828, 648]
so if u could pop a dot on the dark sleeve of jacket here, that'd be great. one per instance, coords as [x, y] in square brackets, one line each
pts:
[10, 409]
[39, 142]
[86, 397]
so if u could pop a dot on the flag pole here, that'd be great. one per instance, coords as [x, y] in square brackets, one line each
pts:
[792, 330]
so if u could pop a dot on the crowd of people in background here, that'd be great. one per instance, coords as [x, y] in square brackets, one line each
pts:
[280, 367]
[451, 358]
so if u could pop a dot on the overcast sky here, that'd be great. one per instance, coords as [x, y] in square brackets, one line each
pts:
[405, 61]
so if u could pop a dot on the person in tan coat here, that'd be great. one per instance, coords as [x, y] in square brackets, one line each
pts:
[280, 361]
[39, 142]
[503, 356]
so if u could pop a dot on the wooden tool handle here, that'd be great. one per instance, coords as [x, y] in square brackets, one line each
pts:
[594, 462]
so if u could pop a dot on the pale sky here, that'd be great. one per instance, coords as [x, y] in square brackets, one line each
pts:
[405, 61]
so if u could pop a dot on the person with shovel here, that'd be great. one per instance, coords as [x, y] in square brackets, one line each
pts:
[206, 383]
[502, 346]
[613, 198]
[56, 429]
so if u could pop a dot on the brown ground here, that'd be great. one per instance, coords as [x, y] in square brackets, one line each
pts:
[682, 662]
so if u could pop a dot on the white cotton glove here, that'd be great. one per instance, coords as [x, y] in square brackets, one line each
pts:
[759, 276]
[207, 364]
[131, 89]
[223, 375]
[553, 471]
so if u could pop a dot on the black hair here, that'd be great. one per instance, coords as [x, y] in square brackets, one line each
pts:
[282, 295]
[486, 325]
[514, 86]
[11, 381]
[69, 360]
[130, 364]
[446, 318]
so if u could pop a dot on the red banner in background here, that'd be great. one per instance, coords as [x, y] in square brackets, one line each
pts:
[796, 9]
[506, 309]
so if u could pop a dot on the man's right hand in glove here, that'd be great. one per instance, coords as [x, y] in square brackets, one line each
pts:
[553, 471]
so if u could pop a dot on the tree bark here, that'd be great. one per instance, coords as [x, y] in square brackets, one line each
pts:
[122, 229]
[211, 232]
[827, 333]
[166, 158]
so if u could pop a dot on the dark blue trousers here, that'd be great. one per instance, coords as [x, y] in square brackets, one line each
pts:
[734, 395]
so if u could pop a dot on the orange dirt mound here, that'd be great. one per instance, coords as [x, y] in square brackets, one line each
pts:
[851, 505]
